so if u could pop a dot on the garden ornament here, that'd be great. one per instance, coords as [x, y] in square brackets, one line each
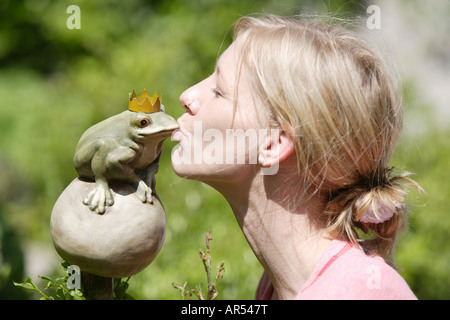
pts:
[109, 221]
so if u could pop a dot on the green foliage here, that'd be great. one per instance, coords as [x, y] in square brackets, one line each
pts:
[59, 285]
[62, 292]
[11, 260]
[424, 252]
[212, 291]
[120, 289]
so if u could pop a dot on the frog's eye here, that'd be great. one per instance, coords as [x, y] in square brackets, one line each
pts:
[143, 122]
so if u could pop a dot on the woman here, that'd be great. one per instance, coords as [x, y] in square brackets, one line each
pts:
[295, 128]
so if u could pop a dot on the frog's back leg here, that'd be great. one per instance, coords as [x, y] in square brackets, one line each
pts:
[121, 167]
[84, 154]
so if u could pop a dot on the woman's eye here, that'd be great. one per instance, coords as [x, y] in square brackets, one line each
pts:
[217, 92]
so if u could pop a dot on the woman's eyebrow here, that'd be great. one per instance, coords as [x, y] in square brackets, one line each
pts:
[220, 80]
[217, 70]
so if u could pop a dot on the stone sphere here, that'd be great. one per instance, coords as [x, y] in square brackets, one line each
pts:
[119, 243]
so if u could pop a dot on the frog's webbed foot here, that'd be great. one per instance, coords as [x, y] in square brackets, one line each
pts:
[99, 198]
[146, 185]
[144, 192]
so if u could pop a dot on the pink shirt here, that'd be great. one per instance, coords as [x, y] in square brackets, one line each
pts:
[346, 272]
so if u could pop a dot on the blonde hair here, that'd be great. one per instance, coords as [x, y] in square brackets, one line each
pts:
[336, 98]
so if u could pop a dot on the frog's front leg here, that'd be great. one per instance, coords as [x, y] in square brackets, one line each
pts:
[106, 164]
[99, 197]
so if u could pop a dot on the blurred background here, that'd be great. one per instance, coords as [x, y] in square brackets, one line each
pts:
[55, 82]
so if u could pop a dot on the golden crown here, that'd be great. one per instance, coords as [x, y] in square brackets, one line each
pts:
[144, 103]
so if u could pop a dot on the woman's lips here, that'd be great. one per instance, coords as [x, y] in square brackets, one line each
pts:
[177, 135]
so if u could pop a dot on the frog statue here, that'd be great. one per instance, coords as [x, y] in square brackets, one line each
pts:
[109, 221]
[125, 147]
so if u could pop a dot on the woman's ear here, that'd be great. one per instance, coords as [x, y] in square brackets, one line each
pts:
[275, 148]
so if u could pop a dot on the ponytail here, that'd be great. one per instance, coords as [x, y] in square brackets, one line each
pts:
[374, 205]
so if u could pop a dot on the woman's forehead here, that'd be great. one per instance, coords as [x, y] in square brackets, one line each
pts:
[227, 58]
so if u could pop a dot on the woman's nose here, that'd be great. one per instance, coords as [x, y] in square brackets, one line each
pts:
[189, 99]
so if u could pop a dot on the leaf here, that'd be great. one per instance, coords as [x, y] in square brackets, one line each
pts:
[120, 289]
[63, 280]
[24, 285]
[46, 278]
[60, 294]
[65, 264]
[50, 282]
[27, 284]
[77, 294]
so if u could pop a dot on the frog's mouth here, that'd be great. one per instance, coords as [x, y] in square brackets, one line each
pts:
[166, 132]
[162, 133]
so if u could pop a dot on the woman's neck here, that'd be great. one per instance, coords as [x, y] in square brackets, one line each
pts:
[287, 242]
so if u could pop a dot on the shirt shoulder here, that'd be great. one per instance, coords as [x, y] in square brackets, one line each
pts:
[350, 273]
